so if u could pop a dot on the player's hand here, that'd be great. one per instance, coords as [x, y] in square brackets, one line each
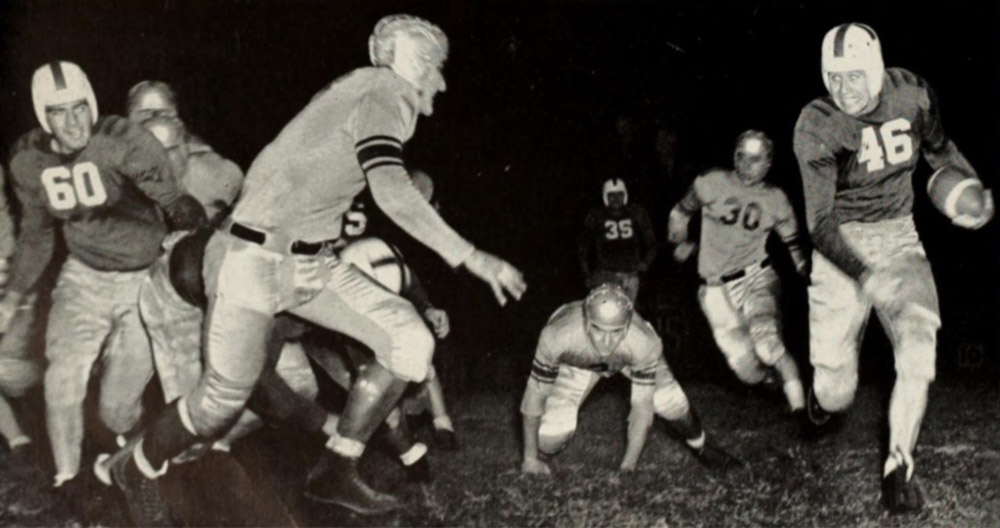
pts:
[503, 278]
[439, 321]
[684, 250]
[976, 222]
[533, 466]
[881, 287]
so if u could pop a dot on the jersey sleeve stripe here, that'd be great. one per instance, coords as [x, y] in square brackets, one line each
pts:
[375, 151]
[371, 140]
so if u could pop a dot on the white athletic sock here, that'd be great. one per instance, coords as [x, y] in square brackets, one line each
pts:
[443, 422]
[415, 453]
[697, 443]
[795, 394]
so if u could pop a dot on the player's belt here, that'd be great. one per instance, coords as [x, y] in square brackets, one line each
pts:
[741, 273]
[274, 242]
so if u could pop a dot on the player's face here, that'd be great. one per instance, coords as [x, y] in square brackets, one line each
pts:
[71, 124]
[616, 200]
[431, 83]
[151, 103]
[752, 168]
[605, 340]
[850, 91]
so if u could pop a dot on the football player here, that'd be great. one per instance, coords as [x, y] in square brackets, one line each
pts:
[857, 148]
[618, 242]
[107, 184]
[740, 289]
[19, 370]
[213, 180]
[279, 257]
[596, 338]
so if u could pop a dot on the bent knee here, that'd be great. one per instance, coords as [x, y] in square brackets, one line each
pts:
[835, 388]
[412, 351]
[670, 402]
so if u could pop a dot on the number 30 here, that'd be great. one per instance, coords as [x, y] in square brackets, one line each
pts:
[66, 189]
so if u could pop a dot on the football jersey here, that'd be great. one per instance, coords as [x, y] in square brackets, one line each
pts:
[305, 180]
[211, 179]
[105, 195]
[564, 341]
[620, 239]
[736, 220]
[860, 168]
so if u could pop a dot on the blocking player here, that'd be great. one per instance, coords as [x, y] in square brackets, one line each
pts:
[279, 258]
[596, 338]
[107, 184]
[857, 148]
[212, 179]
[740, 289]
[618, 242]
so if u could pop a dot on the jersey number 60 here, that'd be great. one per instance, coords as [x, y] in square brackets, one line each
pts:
[67, 188]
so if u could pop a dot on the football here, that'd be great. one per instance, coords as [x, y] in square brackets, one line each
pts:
[955, 193]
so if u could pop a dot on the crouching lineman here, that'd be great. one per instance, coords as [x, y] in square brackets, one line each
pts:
[279, 256]
[594, 338]
[740, 289]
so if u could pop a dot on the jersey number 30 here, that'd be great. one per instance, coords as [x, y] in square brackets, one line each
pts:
[618, 229]
[750, 214]
[898, 145]
[66, 188]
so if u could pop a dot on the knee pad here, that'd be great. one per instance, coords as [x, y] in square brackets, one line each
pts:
[747, 367]
[670, 402]
[767, 343]
[916, 347]
[834, 388]
[412, 351]
[17, 376]
[557, 427]
[120, 417]
[216, 404]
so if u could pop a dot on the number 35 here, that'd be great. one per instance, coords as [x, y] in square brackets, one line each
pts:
[620, 229]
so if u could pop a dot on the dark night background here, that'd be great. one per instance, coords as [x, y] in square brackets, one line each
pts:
[530, 127]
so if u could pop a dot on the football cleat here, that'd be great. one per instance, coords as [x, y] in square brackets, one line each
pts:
[715, 458]
[335, 480]
[445, 439]
[419, 471]
[901, 494]
[146, 504]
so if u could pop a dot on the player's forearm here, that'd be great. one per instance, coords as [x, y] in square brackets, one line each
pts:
[831, 244]
[32, 255]
[639, 423]
[416, 294]
[677, 226]
[948, 154]
[529, 429]
[403, 204]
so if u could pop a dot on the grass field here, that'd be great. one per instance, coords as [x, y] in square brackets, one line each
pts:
[783, 482]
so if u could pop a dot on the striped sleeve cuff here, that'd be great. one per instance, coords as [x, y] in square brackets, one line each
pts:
[544, 373]
[378, 151]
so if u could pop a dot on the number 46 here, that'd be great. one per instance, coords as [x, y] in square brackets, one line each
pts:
[898, 145]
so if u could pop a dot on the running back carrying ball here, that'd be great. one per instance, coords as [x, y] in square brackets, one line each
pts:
[956, 194]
